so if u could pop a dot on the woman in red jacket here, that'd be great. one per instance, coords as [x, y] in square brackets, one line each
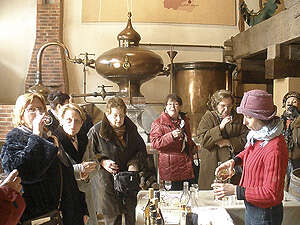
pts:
[171, 136]
[264, 162]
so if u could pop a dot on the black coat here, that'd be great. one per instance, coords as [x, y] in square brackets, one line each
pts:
[36, 160]
[105, 143]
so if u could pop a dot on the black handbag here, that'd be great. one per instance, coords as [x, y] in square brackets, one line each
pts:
[126, 181]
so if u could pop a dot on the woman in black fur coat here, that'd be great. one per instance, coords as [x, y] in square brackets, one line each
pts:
[38, 160]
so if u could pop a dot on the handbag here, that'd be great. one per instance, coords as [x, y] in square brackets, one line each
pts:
[126, 181]
[51, 218]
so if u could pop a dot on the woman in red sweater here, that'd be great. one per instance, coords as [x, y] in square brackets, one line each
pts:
[264, 162]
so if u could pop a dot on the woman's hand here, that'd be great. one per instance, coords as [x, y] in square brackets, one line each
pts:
[89, 167]
[13, 181]
[132, 168]
[38, 123]
[228, 165]
[176, 133]
[85, 219]
[224, 121]
[110, 166]
[221, 190]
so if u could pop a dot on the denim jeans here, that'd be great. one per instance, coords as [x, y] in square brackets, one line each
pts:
[263, 216]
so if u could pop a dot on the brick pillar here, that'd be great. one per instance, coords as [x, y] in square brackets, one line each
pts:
[49, 27]
[5, 120]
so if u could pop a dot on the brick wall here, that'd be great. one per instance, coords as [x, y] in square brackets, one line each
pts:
[5, 120]
[49, 28]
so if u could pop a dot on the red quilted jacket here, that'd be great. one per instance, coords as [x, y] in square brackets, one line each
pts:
[174, 164]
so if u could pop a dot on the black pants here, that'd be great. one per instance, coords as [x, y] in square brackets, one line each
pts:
[178, 185]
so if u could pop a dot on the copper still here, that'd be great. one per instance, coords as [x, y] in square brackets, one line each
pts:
[195, 82]
[129, 65]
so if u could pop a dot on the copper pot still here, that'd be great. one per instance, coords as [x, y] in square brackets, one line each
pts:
[129, 65]
[195, 82]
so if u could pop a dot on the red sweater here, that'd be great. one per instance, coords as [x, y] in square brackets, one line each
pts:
[264, 170]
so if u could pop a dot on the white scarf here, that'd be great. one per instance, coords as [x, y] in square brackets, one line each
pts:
[266, 133]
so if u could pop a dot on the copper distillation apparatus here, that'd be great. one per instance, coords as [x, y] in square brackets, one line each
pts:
[130, 65]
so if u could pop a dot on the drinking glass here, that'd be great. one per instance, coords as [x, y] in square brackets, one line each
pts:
[48, 120]
[168, 185]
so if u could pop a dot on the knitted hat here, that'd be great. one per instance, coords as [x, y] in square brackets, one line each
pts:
[258, 104]
[288, 95]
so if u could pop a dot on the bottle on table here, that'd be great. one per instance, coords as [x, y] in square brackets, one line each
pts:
[185, 196]
[147, 206]
[159, 215]
[153, 214]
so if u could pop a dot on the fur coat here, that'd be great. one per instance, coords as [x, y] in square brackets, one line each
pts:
[39, 168]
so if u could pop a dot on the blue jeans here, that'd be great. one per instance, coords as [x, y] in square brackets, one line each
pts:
[261, 216]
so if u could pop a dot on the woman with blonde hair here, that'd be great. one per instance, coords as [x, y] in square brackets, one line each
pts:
[47, 176]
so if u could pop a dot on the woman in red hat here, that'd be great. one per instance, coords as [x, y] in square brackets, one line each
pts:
[264, 162]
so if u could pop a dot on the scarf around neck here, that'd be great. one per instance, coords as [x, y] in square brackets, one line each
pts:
[266, 133]
[120, 131]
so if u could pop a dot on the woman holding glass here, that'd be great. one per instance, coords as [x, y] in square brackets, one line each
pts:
[171, 136]
[73, 139]
[264, 162]
[221, 134]
[47, 176]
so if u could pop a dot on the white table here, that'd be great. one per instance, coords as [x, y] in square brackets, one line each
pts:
[213, 209]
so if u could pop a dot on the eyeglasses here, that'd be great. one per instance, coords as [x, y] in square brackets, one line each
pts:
[32, 110]
[229, 106]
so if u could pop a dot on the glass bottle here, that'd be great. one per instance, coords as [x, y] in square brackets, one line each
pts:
[185, 196]
[153, 214]
[193, 199]
[158, 210]
[147, 206]
[159, 221]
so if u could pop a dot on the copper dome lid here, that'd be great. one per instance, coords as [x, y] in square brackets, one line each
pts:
[129, 65]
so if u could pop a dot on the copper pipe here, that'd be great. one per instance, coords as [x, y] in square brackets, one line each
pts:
[40, 54]
[181, 45]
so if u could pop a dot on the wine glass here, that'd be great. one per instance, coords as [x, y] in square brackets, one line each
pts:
[168, 185]
[48, 120]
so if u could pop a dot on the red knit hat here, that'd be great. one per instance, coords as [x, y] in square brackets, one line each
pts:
[258, 104]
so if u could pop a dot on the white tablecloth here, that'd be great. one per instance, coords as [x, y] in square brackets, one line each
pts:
[210, 211]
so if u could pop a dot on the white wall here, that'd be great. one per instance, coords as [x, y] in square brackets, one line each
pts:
[17, 35]
[17, 25]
